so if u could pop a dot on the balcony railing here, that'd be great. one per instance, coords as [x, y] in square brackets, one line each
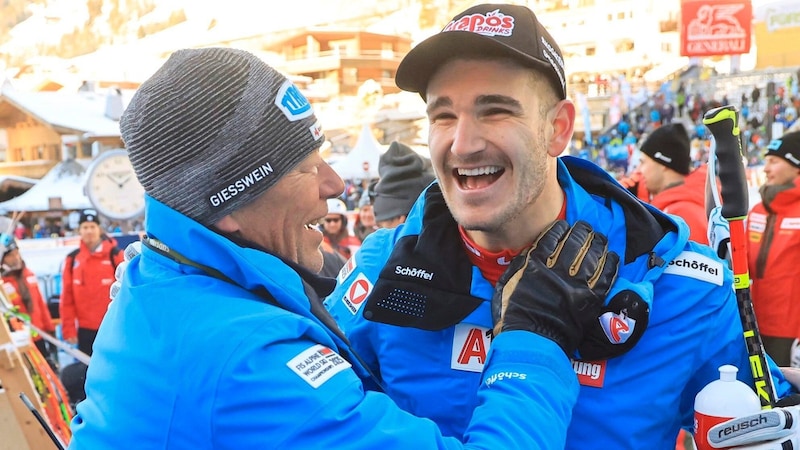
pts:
[374, 55]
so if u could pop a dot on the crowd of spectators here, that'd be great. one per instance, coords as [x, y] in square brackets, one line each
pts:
[761, 116]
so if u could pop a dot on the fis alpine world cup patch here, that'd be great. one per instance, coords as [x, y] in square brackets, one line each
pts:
[317, 364]
[697, 266]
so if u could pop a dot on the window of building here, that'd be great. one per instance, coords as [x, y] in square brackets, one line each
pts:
[84, 151]
[387, 51]
[666, 47]
[590, 51]
[349, 75]
[585, 3]
[623, 46]
[670, 25]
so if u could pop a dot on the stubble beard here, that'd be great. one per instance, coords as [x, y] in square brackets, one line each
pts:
[524, 193]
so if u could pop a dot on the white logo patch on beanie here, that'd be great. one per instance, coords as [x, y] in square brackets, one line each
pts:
[316, 130]
[292, 102]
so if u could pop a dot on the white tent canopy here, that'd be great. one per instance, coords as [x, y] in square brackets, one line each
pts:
[367, 150]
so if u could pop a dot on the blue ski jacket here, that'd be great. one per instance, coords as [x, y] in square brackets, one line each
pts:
[431, 362]
[214, 345]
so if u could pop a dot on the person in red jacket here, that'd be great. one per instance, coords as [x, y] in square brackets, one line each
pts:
[674, 187]
[87, 276]
[774, 249]
[335, 233]
[22, 289]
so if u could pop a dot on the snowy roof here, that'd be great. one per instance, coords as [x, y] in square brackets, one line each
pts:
[81, 112]
[65, 180]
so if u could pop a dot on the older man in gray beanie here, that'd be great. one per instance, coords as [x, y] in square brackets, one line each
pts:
[218, 338]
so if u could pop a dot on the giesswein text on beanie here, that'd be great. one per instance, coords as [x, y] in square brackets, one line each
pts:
[214, 128]
[787, 147]
[669, 146]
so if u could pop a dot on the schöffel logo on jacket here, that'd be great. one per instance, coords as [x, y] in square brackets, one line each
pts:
[697, 266]
[413, 272]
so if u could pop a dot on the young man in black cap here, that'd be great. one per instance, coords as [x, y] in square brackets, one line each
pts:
[87, 275]
[403, 176]
[774, 248]
[218, 338]
[494, 85]
[666, 168]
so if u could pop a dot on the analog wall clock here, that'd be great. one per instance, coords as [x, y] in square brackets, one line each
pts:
[112, 186]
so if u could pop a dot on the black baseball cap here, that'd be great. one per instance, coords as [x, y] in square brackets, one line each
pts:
[490, 30]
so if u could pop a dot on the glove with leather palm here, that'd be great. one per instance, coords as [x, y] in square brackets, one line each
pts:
[558, 286]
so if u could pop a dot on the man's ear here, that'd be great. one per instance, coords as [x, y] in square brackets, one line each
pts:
[227, 224]
[562, 121]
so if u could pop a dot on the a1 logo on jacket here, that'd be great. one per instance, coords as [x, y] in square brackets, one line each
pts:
[470, 347]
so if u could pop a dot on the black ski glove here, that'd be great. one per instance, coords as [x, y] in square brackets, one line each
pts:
[558, 286]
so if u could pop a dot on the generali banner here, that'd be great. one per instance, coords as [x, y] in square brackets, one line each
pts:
[715, 27]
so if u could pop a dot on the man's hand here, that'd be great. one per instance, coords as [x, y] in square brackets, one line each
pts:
[133, 249]
[558, 286]
[792, 375]
[774, 429]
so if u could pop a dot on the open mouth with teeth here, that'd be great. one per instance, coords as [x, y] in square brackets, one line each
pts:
[313, 225]
[477, 178]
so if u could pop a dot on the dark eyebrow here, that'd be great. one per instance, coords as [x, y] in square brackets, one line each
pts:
[493, 99]
[438, 103]
[498, 100]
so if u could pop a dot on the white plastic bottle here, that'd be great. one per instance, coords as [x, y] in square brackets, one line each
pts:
[721, 400]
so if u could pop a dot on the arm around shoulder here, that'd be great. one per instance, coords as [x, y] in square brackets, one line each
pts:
[322, 402]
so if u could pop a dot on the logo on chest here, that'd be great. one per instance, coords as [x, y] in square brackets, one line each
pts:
[590, 373]
[470, 347]
[697, 266]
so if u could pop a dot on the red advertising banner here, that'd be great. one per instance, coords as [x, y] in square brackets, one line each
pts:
[715, 27]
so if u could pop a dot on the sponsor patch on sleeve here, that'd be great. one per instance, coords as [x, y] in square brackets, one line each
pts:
[697, 266]
[317, 364]
[357, 293]
[347, 269]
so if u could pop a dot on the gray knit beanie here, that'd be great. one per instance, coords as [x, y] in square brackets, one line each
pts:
[404, 175]
[213, 129]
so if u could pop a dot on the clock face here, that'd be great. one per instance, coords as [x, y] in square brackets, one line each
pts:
[113, 188]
